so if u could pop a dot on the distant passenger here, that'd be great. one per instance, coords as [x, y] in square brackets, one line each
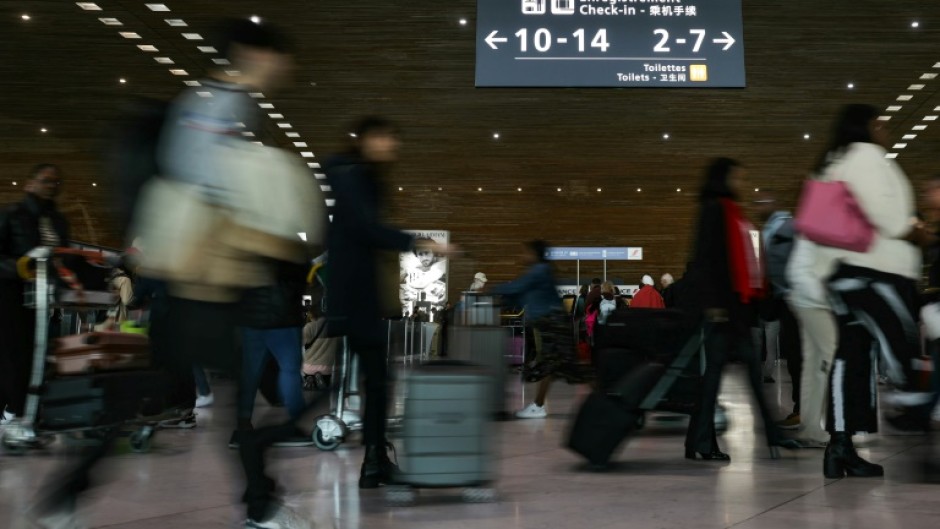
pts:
[647, 297]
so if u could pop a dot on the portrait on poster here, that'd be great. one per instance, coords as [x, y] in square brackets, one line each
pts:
[423, 285]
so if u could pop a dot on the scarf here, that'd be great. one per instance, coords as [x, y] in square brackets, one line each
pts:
[747, 271]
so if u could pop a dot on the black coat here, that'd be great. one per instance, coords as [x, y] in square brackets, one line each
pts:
[356, 242]
[279, 305]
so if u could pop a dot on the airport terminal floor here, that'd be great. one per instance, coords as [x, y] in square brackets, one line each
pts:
[186, 481]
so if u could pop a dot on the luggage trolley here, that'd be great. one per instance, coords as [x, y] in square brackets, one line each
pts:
[30, 432]
[332, 429]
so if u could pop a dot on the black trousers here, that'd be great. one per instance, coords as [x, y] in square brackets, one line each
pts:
[721, 341]
[17, 328]
[791, 349]
[373, 363]
[853, 395]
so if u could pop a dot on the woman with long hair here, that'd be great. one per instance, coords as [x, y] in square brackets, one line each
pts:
[873, 293]
[728, 280]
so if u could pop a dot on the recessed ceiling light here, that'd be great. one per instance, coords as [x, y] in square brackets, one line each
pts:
[232, 73]
[307, 154]
[899, 146]
[164, 60]
[176, 22]
[666, 136]
[157, 7]
[256, 95]
[463, 21]
[300, 144]
[192, 36]
[894, 108]
[256, 19]
[207, 49]
[178, 71]
[285, 125]
[248, 134]
[292, 134]
[440, 189]
[678, 190]
[915, 24]
[928, 76]
[25, 16]
[147, 47]
[330, 202]
[129, 35]
[919, 127]
[806, 136]
[192, 82]
[204, 93]
[909, 137]
[266, 105]
[221, 61]
[930, 118]
[315, 165]
[891, 155]
[850, 86]
[401, 189]
[88, 6]
[479, 189]
[122, 80]
[905, 97]
[884, 118]
[916, 87]
[756, 189]
[495, 135]
[44, 130]
[519, 189]
[94, 184]
[14, 183]
[276, 116]
[639, 190]
[599, 190]
[559, 190]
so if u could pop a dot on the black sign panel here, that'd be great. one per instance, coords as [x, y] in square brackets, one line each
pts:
[610, 43]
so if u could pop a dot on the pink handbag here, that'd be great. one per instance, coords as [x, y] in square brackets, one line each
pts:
[829, 215]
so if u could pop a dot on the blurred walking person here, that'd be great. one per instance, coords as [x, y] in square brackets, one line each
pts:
[363, 252]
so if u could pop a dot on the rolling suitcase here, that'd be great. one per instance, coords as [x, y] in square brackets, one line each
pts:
[100, 400]
[447, 441]
[484, 346]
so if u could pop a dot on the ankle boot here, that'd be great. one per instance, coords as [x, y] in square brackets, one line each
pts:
[842, 460]
[377, 468]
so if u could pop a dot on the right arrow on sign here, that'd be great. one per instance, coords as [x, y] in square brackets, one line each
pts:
[492, 39]
[728, 41]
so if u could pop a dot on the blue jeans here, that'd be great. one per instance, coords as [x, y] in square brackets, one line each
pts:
[286, 345]
[202, 381]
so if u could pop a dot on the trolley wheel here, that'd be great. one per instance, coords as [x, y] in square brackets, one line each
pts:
[400, 495]
[328, 433]
[140, 440]
[479, 495]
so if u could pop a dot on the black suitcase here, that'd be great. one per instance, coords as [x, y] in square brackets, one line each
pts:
[655, 334]
[101, 400]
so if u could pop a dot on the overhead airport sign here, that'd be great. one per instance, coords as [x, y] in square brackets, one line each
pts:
[594, 254]
[610, 43]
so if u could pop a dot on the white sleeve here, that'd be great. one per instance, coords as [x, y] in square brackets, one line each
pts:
[871, 180]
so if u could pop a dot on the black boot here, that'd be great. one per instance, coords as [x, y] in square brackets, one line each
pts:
[377, 468]
[842, 460]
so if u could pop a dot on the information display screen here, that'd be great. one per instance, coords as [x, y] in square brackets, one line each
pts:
[610, 43]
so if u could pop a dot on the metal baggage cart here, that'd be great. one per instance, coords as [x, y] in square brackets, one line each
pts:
[79, 309]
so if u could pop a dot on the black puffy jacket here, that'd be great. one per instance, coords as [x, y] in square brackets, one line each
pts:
[19, 232]
[277, 306]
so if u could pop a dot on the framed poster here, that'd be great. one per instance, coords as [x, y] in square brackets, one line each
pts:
[423, 280]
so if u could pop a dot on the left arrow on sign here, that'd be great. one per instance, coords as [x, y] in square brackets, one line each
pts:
[728, 41]
[492, 39]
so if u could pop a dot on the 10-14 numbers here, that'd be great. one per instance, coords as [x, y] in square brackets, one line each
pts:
[542, 40]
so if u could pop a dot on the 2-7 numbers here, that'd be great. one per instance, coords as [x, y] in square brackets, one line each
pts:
[542, 40]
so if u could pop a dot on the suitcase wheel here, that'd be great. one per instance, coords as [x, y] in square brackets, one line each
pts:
[400, 495]
[479, 495]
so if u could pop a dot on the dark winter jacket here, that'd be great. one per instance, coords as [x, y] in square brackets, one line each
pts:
[361, 248]
[19, 233]
[279, 305]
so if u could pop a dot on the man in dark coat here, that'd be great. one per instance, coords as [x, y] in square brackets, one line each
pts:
[28, 224]
[363, 278]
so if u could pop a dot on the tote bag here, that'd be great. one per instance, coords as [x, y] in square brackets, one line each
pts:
[829, 215]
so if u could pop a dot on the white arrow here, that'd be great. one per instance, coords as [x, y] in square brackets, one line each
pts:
[492, 39]
[728, 41]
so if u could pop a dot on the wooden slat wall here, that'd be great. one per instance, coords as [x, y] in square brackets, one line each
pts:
[413, 62]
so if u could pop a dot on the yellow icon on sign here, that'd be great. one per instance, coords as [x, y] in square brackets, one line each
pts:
[698, 72]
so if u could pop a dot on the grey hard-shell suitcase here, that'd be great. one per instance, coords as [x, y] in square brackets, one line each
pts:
[447, 441]
[487, 347]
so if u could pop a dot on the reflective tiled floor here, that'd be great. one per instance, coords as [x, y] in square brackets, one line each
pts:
[188, 481]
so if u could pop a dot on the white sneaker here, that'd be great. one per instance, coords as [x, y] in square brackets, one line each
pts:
[6, 418]
[63, 519]
[283, 518]
[532, 411]
[204, 401]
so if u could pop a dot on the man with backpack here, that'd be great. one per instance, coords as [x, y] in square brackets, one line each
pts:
[777, 237]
